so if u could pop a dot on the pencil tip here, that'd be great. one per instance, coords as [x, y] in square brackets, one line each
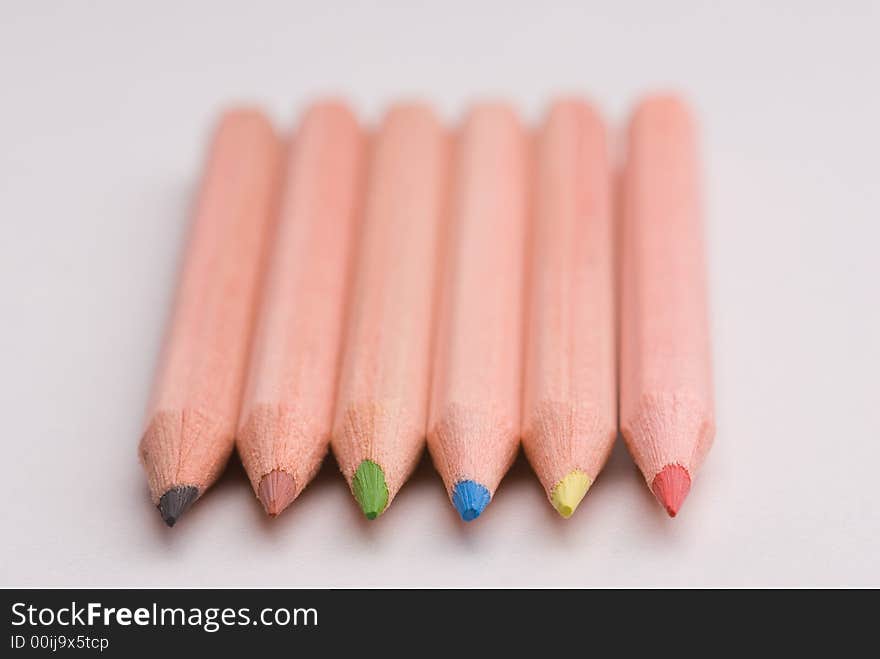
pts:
[176, 501]
[277, 491]
[470, 499]
[569, 491]
[369, 488]
[671, 486]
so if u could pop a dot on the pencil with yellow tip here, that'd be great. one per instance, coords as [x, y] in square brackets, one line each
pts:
[381, 409]
[474, 427]
[287, 413]
[570, 411]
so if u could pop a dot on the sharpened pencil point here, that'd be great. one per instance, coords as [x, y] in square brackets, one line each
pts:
[569, 491]
[370, 489]
[671, 487]
[470, 499]
[277, 491]
[176, 501]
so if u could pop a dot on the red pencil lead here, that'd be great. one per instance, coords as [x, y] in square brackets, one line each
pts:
[671, 487]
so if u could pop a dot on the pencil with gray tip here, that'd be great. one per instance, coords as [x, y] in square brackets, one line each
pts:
[191, 419]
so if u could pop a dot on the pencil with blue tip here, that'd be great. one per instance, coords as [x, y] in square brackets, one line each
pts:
[474, 427]
[570, 410]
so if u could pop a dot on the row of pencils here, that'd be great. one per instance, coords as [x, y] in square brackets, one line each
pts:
[473, 288]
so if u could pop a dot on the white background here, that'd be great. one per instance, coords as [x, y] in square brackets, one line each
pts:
[104, 110]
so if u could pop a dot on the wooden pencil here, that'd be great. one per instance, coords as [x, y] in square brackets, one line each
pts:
[570, 410]
[474, 427]
[381, 409]
[191, 419]
[287, 413]
[666, 416]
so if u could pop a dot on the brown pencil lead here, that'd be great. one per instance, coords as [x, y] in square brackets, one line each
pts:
[176, 501]
[277, 491]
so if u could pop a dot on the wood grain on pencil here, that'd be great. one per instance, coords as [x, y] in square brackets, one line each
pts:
[381, 410]
[570, 411]
[194, 408]
[667, 416]
[287, 413]
[474, 426]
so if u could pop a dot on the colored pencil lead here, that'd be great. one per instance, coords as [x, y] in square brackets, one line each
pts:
[569, 491]
[370, 489]
[177, 501]
[671, 487]
[470, 499]
[277, 491]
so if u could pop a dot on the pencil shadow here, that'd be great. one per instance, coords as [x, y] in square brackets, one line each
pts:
[330, 483]
[233, 483]
[330, 480]
[326, 482]
[205, 510]
[507, 503]
[622, 478]
[521, 480]
[423, 483]
[426, 483]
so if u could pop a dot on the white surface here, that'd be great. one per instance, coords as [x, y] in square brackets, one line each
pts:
[104, 111]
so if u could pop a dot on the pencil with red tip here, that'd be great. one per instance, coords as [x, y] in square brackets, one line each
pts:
[474, 427]
[287, 413]
[667, 410]
[191, 419]
[570, 412]
[382, 404]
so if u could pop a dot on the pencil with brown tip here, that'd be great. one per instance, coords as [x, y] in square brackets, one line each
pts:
[381, 408]
[287, 413]
[570, 411]
[667, 411]
[474, 427]
[192, 415]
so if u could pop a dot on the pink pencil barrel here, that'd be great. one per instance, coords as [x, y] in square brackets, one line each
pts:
[287, 414]
[474, 427]
[570, 412]
[667, 411]
[192, 416]
[382, 403]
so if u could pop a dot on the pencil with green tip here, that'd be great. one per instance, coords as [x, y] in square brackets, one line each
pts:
[570, 411]
[381, 407]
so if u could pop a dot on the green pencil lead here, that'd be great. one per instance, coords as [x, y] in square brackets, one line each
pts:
[369, 488]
